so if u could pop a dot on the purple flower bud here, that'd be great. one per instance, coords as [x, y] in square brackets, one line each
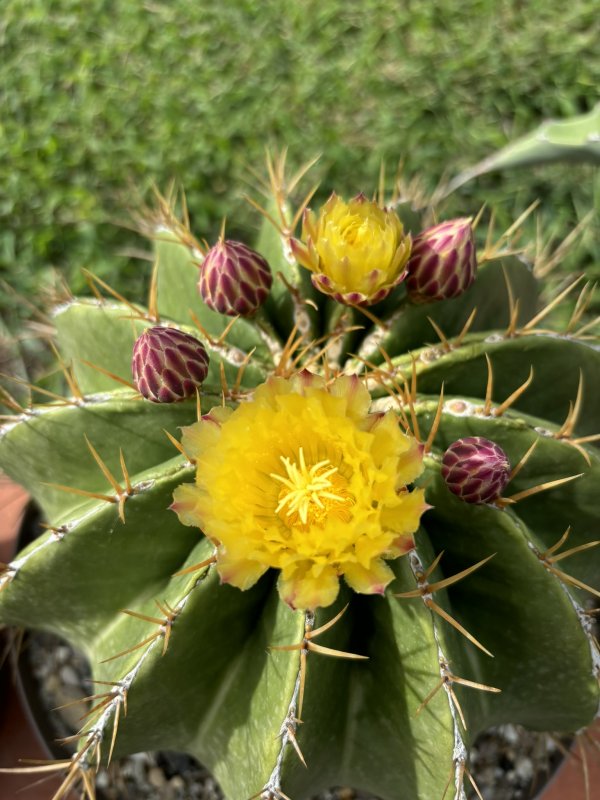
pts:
[234, 279]
[168, 364]
[443, 262]
[476, 469]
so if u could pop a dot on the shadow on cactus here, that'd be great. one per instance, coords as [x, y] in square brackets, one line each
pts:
[372, 540]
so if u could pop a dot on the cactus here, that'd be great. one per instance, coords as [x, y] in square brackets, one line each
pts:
[481, 616]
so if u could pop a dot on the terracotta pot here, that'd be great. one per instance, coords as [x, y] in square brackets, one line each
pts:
[20, 737]
[569, 782]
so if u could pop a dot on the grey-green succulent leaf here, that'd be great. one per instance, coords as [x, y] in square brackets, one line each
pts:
[575, 140]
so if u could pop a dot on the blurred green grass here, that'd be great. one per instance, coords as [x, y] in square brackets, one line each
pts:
[101, 98]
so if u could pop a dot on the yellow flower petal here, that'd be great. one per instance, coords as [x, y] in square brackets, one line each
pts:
[355, 393]
[405, 516]
[197, 437]
[185, 504]
[242, 574]
[369, 581]
[307, 590]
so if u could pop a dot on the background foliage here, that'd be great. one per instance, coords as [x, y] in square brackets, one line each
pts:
[100, 96]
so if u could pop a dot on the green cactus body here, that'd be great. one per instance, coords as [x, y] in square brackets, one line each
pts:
[200, 664]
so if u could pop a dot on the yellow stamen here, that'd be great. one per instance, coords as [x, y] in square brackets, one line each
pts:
[309, 493]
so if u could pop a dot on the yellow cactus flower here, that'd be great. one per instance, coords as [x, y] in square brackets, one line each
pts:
[302, 478]
[357, 251]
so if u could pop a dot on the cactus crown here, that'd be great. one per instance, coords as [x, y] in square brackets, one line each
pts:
[456, 482]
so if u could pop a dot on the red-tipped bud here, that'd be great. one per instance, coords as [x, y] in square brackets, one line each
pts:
[476, 469]
[443, 262]
[168, 365]
[234, 279]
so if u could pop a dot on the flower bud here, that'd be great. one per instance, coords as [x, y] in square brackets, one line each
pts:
[357, 251]
[168, 364]
[234, 279]
[476, 469]
[443, 262]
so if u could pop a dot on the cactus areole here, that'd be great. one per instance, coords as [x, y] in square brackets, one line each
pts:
[340, 522]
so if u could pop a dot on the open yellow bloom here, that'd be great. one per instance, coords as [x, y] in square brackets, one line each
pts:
[356, 251]
[304, 479]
